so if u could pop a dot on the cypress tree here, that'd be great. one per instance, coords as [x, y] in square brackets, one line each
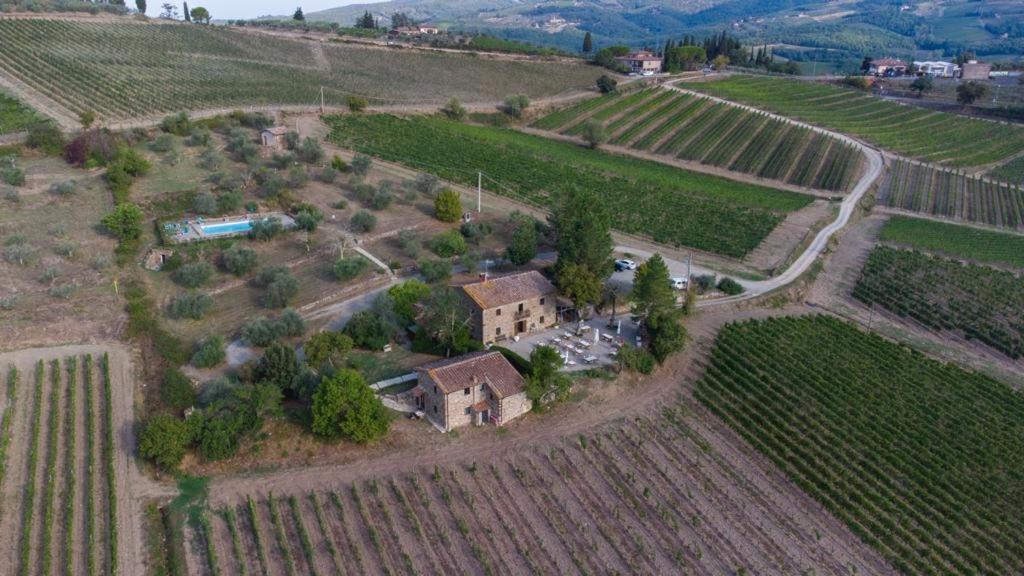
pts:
[188, 16]
[588, 43]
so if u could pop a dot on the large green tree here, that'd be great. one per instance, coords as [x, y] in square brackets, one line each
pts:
[200, 15]
[545, 383]
[164, 441]
[970, 92]
[583, 229]
[280, 367]
[406, 296]
[523, 247]
[652, 293]
[125, 221]
[448, 206]
[665, 334]
[579, 284]
[345, 407]
[588, 43]
[446, 320]
[324, 347]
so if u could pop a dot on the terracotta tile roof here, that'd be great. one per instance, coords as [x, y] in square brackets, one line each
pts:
[277, 130]
[889, 62]
[491, 368]
[510, 289]
[481, 406]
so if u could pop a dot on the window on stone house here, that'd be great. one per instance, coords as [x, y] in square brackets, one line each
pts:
[435, 389]
[468, 410]
[497, 331]
[541, 301]
[466, 391]
[435, 408]
[541, 319]
[481, 387]
[520, 306]
[497, 312]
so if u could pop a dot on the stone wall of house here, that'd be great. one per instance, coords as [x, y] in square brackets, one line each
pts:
[498, 324]
[452, 414]
[513, 407]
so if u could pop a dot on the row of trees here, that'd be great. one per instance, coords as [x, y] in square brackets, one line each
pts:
[169, 11]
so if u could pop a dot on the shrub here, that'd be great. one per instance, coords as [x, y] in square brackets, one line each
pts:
[92, 147]
[279, 366]
[348, 268]
[405, 296]
[356, 103]
[230, 201]
[279, 286]
[345, 407]
[361, 164]
[427, 184]
[282, 160]
[45, 137]
[65, 188]
[198, 137]
[265, 229]
[239, 260]
[190, 305]
[194, 274]
[176, 391]
[363, 222]
[515, 105]
[409, 243]
[297, 177]
[205, 203]
[475, 231]
[178, 124]
[328, 175]
[210, 159]
[219, 437]
[704, 282]
[323, 346]
[730, 286]
[382, 197]
[290, 324]
[636, 359]
[370, 329]
[209, 353]
[164, 441]
[448, 206]
[291, 140]
[338, 163]
[311, 152]
[125, 221]
[260, 332]
[606, 84]
[162, 143]
[449, 243]
[435, 270]
[308, 217]
[665, 335]
[454, 110]
[62, 291]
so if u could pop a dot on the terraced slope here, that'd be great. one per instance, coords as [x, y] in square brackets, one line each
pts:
[936, 137]
[126, 69]
[690, 128]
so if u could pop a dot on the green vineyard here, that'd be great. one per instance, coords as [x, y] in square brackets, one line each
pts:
[1012, 171]
[928, 190]
[927, 135]
[922, 460]
[692, 128]
[956, 241]
[982, 303]
[127, 68]
[670, 205]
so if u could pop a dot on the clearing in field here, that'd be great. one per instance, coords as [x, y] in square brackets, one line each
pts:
[922, 460]
[662, 494]
[59, 473]
[670, 205]
[954, 241]
[979, 302]
[126, 69]
[939, 192]
[689, 127]
[927, 135]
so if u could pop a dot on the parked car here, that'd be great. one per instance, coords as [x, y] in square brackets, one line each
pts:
[624, 264]
[678, 283]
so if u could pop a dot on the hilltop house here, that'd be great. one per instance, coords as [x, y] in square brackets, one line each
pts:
[273, 137]
[642, 62]
[888, 67]
[414, 30]
[938, 69]
[477, 388]
[507, 306]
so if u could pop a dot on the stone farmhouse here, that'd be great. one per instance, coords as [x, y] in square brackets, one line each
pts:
[478, 388]
[642, 62]
[508, 306]
[888, 67]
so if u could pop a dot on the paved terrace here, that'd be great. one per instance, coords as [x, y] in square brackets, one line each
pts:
[580, 349]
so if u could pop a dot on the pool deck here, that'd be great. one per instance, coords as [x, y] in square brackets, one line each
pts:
[191, 230]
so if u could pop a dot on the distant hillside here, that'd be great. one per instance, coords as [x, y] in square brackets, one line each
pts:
[825, 30]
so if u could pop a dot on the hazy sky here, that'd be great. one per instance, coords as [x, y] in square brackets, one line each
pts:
[235, 9]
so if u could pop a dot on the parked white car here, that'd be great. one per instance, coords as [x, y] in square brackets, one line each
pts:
[624, 264]
[678, 283]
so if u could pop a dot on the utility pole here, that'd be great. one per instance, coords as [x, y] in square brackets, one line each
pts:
[689, 261]
[479, 188]
[321, 99]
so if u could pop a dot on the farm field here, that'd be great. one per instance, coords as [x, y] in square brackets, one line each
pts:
[926, 135]
[979, 302]
[693, 128]
[670, 205]
[954, 241]
[127, 69]
[15, 116]
[59, 480]
[920, 459]
[957, 196]
[1012, 171]
[653, 495]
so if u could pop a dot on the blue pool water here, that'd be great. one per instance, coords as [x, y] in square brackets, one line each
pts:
[226, 228]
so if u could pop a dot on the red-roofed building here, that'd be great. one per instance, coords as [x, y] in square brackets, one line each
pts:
[507, 306]
[477, 388]
[888, 67]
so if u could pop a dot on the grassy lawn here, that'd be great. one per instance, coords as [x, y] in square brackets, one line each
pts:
[15, 116]
[956, 241]
[671, 205]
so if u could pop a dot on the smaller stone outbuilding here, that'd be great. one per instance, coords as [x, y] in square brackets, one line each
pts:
[273, 137]
[507, 306]
[974, 70]
[478, 388]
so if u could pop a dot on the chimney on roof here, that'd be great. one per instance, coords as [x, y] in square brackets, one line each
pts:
[483, 276]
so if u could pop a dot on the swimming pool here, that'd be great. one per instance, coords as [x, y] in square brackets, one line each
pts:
[226, 228]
